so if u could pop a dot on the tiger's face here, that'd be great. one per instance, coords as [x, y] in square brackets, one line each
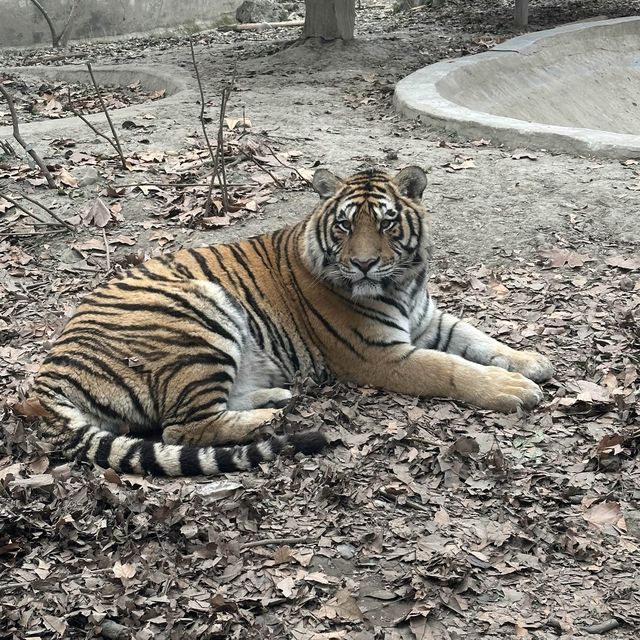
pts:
[369, 232]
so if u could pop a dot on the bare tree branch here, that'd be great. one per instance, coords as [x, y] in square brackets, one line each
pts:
[20, 140]
[49, 211]
[31, 214]
[214, 156]
[106, 113]
[67, 23]
[92, 127]
[219, 170]
[55, 38]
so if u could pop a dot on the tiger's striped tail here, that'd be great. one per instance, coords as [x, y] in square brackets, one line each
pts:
[70, 430]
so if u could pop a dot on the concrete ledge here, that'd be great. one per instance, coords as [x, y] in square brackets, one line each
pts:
[177, 84]
[547, 89]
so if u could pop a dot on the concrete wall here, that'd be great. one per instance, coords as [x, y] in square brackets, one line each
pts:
[22, 24]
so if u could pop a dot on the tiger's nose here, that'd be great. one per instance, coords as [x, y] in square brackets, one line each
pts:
[364, 264]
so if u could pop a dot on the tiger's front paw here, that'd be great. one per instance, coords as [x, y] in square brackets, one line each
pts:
[530, 364]
[506, 391]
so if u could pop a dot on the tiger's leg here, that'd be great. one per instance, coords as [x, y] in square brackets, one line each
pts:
[445, 332]
[220, 428]
[425, 372]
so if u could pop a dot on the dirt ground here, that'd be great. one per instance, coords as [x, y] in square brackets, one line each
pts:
[425, 519]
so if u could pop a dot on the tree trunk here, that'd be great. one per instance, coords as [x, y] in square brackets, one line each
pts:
[329, 19]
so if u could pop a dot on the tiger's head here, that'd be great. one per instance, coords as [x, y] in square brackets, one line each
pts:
[370, 230]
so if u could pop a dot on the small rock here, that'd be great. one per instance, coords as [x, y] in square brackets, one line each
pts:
[627, 283]
[260, 11]
[632, 520]
[346, 551]
[89, 177]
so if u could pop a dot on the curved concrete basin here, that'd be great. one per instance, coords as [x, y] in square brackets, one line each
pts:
[575, 89]
[176, 83]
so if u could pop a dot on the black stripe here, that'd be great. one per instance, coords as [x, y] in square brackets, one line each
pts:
[208, 321]
[317, 314]
[377, 343]
[409, 353]
[254, 455]
[190, 461]
[125, 462]
[156, 308]
[103, 451]
[448, 340]
[393, 303]
[204, 266]
[148, 460]
[105, 372]
[224, 459]
[437, 336]
[74, 437]
[88, 399]
[372, 314]
[81, 454]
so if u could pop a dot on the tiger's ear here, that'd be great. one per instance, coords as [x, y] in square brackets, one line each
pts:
[326, 183]
[411, 181]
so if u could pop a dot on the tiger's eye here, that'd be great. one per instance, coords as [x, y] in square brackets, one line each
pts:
[344, 225]
[387, 224]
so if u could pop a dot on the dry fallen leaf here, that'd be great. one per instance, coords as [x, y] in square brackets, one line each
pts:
[286, 586]
[603, 513]
[123, 570]
[343, 607]
[465, 164]
[98, 214]
[67, 179]
[627, 263]
[30, 408]
[557, 257]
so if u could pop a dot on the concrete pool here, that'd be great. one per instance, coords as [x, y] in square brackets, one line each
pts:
[574, 89]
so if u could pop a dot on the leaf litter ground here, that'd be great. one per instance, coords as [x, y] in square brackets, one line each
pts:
[425, 519]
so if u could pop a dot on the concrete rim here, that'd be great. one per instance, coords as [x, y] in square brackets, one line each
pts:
[418, 95]
[177, 84]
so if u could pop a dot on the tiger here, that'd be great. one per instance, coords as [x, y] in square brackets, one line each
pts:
[173, 367]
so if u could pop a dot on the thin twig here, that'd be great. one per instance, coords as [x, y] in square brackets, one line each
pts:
[7, 149]
[30, 234]
[51, 213]
[108, 117]
[16, 134]
[106, 248]
[17, 205]
[62, 37]
[202, 100]
[250, 157]
[407, 502]
[91, 126]
[220, 161]
[187, 185]
[273, 153]
[602, 627]
[226, 92]
[31, 214]
[214, 156]
[271, 541]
